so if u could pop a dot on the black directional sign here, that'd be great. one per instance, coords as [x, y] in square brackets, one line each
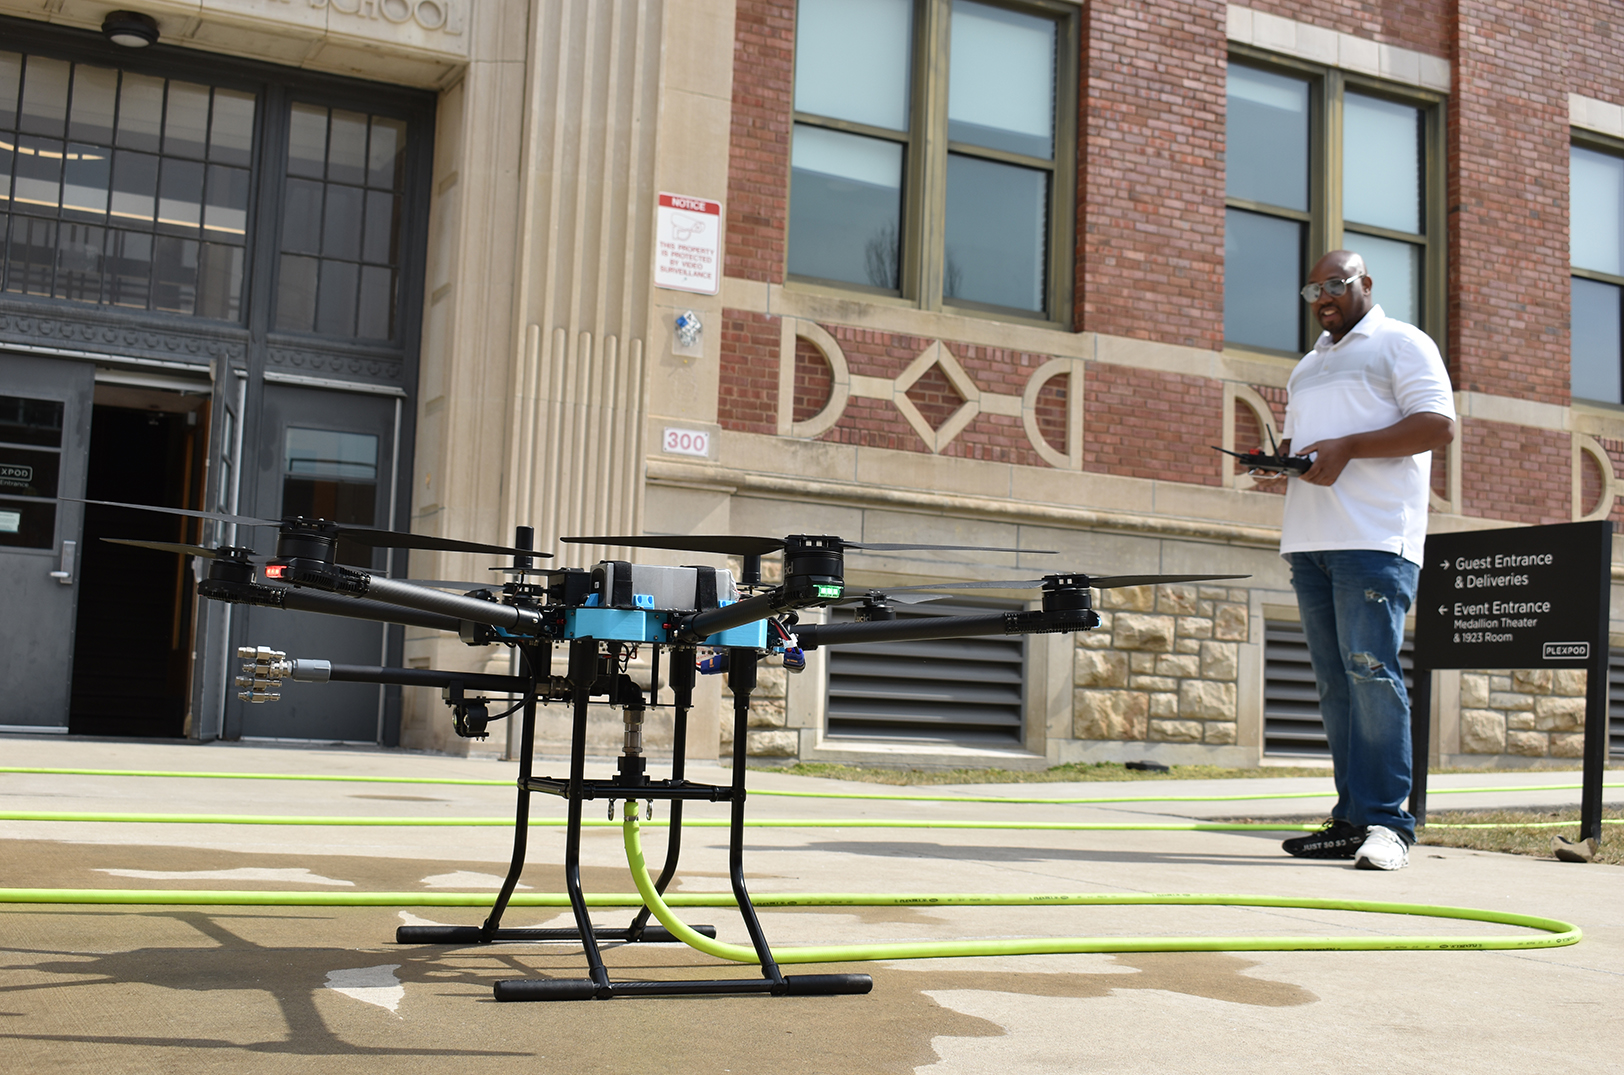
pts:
[1528, 597]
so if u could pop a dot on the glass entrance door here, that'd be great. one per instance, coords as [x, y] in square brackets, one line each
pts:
[44, 441]
[329, 455]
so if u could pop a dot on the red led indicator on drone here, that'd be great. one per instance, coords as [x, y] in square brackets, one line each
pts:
[276, 571]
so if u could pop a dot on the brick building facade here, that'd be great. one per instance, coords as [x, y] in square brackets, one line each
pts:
[993, 272]
[1144, 345]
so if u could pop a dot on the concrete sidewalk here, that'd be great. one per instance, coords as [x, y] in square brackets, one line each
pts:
[256, 989]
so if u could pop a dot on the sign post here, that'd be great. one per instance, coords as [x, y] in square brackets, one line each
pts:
[1528, 597]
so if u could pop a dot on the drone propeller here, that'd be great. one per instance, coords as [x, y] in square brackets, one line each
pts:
[1101, 582]
[222, 553]
[180, 548]
[729, 545]
[363, 535]
[886, 596]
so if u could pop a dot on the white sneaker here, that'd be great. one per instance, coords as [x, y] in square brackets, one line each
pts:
[1383, 849]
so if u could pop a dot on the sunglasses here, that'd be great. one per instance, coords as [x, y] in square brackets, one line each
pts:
[1334, 288]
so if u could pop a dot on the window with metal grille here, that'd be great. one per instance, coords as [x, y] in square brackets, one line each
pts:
[123, 189]
[947, 690]
[121, 186]
[1291, 713]
[341, 223]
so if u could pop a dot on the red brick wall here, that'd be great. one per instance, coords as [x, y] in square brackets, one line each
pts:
[1615, 452]
[1249, 434]
[1516, 473]
[1508, 188]
[1422, 25]
[935, 397]
[994, 437]
[814, 380]
[758, 161]
[747, 395]
[1051, 408]
[1151, 189]
[1595, 39]
[1146, 424]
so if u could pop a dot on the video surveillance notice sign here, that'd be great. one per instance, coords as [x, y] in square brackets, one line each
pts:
[688, 244]
[1528, 597]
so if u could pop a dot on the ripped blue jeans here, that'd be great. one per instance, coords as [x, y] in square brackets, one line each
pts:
[1353, 603]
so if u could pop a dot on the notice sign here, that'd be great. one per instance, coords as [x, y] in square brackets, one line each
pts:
[688, 244]
[1530, 597]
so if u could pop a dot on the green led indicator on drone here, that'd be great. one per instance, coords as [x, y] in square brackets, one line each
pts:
[829, 591]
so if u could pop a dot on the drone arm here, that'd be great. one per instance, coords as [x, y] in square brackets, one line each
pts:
[452, 605]
[296, 600]
[751, 609]
[1030, 622]
[237, 592]
[813, 635]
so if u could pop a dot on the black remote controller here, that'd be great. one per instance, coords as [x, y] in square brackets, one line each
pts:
[1257, 459]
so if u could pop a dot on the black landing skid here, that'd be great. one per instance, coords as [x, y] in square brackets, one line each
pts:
[592, 673]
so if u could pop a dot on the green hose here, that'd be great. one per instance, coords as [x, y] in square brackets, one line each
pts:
[886, 796]
[1555, 933]
[699, 823]
[722, 823]
[1558, 933]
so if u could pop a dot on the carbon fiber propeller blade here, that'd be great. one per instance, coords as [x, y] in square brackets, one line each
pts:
[729, 545]
[214, 554]
[1102, 582]
[173, 546]
[363, 535]
[395, 539]
[723, 544]
[217, 516]
[1111, 582]
[884, 595]
[886, 546]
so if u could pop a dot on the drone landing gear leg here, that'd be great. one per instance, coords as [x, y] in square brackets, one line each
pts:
[742, 681]
[491, 930]
[582, 675]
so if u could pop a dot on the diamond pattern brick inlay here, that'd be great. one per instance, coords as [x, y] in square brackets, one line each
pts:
[935, 397]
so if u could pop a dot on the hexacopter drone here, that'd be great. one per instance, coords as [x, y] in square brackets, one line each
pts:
[601, 614]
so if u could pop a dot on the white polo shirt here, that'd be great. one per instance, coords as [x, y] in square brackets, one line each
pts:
[1380, 372]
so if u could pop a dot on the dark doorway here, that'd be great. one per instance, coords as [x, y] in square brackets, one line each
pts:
[133, 638]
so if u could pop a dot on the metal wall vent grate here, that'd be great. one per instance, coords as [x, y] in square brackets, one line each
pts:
[1291, 717]
[1291, 714]
[945, 690]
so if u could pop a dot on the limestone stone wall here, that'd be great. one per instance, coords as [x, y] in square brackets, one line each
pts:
[769, 737]
[1162, 666]
[1528, 713]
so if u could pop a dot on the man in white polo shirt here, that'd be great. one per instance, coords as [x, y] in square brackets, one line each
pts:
[1370, 403]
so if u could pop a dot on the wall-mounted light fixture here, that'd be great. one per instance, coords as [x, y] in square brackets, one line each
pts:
[130, 29]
